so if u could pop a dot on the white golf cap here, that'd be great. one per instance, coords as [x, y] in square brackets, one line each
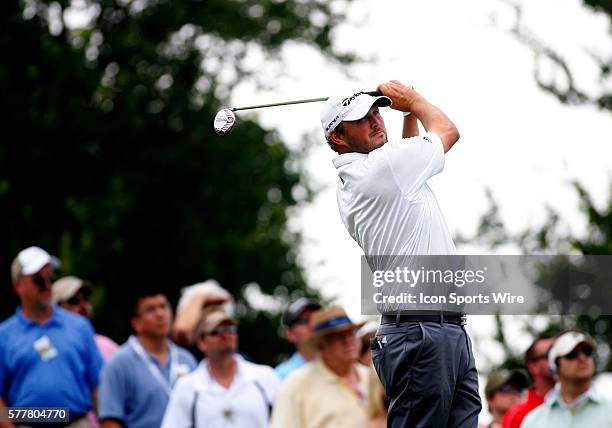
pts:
[351, 106]
[209, 287]
[33, 259]
[564, 344]
[66, 287]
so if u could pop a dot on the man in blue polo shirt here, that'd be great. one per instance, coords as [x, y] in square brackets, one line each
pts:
[136, 382]
[48, 356]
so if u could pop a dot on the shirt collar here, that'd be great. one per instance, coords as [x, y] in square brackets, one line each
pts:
[171, 348]
[241, 371]
[330, 376]
[347, 158]
[554, 397]
[27, 322]
[296, 358]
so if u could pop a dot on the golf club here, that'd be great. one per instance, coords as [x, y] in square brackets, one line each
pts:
[225, 119]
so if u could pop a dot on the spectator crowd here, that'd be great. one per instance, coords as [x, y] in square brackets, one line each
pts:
[50, 356]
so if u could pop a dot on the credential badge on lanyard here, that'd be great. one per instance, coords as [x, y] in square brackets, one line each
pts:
[45, 348]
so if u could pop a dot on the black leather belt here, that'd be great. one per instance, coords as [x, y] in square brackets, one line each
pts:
[457, 318]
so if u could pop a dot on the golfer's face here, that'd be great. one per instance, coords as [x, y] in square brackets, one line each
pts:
[367, 133]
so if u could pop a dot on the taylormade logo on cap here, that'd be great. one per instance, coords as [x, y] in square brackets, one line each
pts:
[349, 107]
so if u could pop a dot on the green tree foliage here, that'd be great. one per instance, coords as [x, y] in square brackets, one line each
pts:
[563, 275]
[562, 84]
[109, 159]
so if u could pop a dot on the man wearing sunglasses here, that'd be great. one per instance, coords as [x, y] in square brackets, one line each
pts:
[536, 360]
[48, 356]
[503, 391]
[73, 294]
[573, 402]
[225, 390]
[298, 330]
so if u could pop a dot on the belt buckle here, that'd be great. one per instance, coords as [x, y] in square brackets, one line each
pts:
[463, 318]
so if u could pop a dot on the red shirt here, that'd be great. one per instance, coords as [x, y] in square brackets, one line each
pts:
[514, 417]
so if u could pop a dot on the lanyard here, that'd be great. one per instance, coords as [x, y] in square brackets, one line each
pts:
[153, 368]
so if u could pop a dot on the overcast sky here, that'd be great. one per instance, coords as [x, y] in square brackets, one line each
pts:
[515, 139]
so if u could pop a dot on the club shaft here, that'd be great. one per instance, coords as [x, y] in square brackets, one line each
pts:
[309, 100]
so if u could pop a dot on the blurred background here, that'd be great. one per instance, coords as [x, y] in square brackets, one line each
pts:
[109, 159]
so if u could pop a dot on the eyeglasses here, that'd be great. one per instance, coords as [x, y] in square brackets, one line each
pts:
[78, 299]
[507, 388]
[41, 281]
[539, 357]
[301, 321]
[151, 309]
[223, 329]
[587, 351]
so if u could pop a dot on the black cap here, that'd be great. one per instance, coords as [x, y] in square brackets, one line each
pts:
[295, 309]
[516, 378]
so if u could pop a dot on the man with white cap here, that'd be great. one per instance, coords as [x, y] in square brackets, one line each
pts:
[73, 294]
[573, 402]
[225, 390]
[195, 300]
[48, 356]
[423, 359]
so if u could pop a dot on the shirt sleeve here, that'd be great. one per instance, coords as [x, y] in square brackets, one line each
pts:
[415, 160]
[190, 360]
[113, 391]
[3, 374]
[94, 358]
[180, 407]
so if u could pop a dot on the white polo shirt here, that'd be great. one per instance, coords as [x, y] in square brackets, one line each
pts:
[386, 204]
[198, 401]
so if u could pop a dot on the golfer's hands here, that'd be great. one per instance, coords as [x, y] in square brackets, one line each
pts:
[403, 96]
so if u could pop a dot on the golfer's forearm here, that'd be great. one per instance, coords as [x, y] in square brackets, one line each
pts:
[434, 120]
[411, 127]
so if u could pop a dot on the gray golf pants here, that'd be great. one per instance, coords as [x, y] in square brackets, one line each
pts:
[428, 372]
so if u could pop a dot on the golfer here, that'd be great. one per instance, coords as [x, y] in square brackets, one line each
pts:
[424, 359]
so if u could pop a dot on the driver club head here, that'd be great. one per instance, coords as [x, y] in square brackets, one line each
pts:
[224, 121]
